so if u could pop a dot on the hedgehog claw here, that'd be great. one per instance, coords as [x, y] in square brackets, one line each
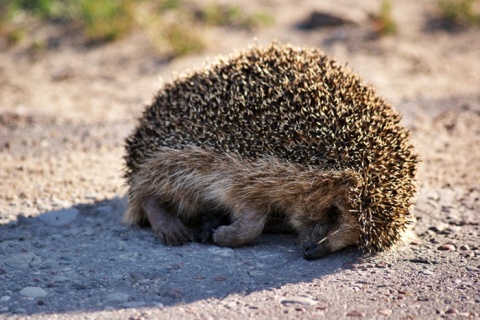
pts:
[175, 234]
[168, 228]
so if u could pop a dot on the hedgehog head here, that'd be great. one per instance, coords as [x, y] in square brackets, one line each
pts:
[327, 220]
[334, 229]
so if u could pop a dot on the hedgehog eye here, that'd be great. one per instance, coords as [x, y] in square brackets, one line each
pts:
[333, 215]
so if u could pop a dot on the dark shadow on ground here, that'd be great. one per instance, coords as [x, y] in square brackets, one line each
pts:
[439, 24]
[94, 262]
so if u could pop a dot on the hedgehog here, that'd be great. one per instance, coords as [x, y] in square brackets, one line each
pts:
[274, 137]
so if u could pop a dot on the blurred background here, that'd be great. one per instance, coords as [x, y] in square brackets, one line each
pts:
[181, 27]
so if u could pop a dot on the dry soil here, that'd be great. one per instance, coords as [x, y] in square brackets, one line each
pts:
[66, 109]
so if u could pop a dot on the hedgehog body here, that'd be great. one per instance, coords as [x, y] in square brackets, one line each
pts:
[273, 136]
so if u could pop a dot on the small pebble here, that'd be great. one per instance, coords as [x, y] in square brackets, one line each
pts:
[298, 300]
[439, 227]
[446, 247]
[33, 292]
[355, 313]
[128, 256]
[272, 256]
[464, 314]
[4, 309]
[219, 277]
[451, 311]
[20, 310]
[473, 269]
[464, 247]
[22, 260]
[382, 265]
[117, 296]
[384, 312]
[60, 203]
[60, 278]
[59, 217]
[5, 298]
[231, 304]
[427, 272]
[224, 252]
[256, 273]
[133, 304]
[92, 196]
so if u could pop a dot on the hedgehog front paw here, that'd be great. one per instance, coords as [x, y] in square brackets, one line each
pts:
[232, 236]
[174, 233]
[225, 236]
[246, 228]
[167, 227]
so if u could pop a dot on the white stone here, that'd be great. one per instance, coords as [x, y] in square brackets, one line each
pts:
[298, 300]
[59, 217]
[133, 304]
[256, 273]
[22, 260]
[60, 278]
[117, 296]
[224, 252]
[128, 255]
[33, 292]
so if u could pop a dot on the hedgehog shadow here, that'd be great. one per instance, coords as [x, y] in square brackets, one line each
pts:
[106, 265]
[193, 272]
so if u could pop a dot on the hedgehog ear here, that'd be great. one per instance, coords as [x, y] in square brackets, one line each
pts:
[333, 214]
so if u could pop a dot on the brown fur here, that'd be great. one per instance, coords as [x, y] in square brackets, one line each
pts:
[196, 180]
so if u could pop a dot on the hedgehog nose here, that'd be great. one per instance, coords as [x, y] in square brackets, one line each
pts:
[308, 250]
[308, 246]
[312, 251]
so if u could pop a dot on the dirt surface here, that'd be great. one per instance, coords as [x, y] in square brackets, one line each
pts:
[64, 114]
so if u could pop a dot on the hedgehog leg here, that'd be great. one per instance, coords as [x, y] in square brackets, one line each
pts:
[210, 222]
[167, 227]
[246, 227]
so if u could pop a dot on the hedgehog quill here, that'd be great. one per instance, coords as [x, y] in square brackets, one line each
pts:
[275, 137]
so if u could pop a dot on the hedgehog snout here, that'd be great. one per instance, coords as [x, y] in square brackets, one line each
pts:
[334, 229]
[314, 240]
[330, 241]
[312, 250]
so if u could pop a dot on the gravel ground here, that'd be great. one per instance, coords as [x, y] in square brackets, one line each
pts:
[64, 114]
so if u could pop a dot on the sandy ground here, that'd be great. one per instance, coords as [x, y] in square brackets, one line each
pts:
[64, 114]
